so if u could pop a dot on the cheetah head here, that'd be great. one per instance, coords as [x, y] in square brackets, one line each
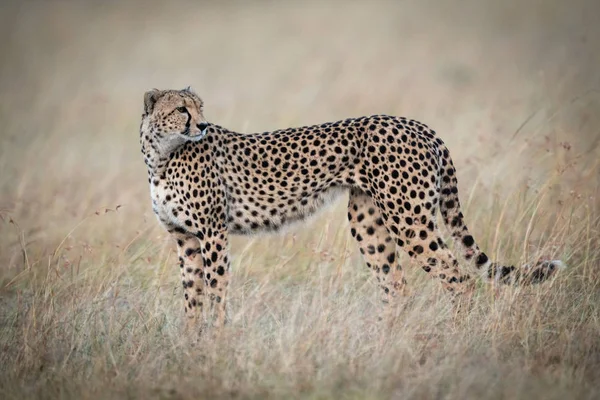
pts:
[173, 117]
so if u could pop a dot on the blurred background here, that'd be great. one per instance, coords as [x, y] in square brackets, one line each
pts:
[512, 87]
[504, 83]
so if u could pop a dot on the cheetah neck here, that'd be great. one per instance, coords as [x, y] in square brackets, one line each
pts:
[158, 151]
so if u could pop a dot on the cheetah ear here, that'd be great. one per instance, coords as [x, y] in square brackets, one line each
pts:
[150, 99]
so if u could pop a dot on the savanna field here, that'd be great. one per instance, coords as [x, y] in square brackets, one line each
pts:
[90, 295]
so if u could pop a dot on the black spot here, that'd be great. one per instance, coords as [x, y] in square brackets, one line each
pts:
[468, 241]
[481, 259]
[391, 258]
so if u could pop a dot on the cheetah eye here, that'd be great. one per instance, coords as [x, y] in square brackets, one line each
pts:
[181, 109]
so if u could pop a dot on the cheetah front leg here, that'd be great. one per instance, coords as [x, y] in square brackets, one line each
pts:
[191, 266]
[215, 255]
[204, 266]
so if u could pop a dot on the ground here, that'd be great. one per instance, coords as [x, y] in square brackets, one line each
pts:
[89, 288]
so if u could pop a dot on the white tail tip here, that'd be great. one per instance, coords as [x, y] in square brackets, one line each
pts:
[558, 264]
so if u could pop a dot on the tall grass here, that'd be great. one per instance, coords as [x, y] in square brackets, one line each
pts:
[90, 302]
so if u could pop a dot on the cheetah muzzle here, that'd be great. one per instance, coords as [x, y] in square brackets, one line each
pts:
[207, 183]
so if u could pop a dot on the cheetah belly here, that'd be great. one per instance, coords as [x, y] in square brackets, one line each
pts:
[255, 218]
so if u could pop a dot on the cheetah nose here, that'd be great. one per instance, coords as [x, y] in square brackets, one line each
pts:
[202, 126]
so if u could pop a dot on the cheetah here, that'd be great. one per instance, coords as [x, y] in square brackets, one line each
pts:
[207, 183]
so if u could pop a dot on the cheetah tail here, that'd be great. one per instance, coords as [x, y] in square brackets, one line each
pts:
[477, 259]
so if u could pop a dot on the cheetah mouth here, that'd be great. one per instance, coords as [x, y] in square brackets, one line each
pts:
[197, 136]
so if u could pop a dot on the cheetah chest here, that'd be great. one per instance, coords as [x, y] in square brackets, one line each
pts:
[164, 206]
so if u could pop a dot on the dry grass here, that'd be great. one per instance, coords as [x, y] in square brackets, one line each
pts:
[89, 294]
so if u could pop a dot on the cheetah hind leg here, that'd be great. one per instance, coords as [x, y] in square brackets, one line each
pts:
[376, 244]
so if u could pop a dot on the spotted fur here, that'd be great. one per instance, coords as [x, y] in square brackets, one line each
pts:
[207, 183]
